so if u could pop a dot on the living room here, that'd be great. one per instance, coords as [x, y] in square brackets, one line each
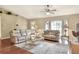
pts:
[39, 26]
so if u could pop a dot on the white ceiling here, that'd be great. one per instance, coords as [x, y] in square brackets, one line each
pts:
[33, 11]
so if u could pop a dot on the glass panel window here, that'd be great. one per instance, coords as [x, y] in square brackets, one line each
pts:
[53, 25]
[56, 25]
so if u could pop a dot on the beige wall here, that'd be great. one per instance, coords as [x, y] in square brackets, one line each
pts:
[72, 19]
[0, 26]
[39, 23]
[9, 23]
[22, 22]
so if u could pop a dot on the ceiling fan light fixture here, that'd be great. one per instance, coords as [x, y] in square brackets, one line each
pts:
[48, 10]
[47, 13]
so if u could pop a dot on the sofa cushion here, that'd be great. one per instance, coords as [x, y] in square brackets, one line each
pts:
[52, 32]
[49, 36]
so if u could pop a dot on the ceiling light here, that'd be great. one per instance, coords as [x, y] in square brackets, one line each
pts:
[48, 10]
[47, 13]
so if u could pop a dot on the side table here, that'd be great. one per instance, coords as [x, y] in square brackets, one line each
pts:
[65, 39]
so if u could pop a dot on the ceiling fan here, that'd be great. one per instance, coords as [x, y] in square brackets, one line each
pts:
[49, 9]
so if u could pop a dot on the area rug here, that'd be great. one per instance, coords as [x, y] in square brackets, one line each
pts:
[43, 47]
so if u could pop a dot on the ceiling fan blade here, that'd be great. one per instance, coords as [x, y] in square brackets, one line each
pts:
[42, 11]
[49, 9]
[53, 10]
